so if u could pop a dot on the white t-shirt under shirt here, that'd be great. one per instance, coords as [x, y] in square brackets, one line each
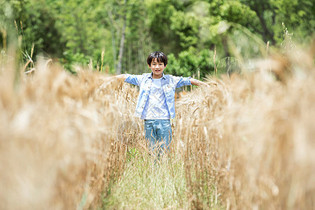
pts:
[156, 107]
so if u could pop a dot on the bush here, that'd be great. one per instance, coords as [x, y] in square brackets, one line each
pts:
[190, 62]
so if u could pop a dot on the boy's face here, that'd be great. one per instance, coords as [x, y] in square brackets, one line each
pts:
[157, 68]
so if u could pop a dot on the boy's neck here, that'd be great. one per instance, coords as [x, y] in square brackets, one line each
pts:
[156, 77]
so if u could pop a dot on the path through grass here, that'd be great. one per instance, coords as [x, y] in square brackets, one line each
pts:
[150, 184]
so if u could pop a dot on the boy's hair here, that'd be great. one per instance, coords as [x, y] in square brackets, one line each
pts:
[160, 57]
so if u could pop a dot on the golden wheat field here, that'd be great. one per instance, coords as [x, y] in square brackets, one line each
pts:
[247, 141]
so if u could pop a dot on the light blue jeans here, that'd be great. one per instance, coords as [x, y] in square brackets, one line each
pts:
[158, 134]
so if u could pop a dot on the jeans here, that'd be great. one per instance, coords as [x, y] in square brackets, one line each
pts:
[158, 134]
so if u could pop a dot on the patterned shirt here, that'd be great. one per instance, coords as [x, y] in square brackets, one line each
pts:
[156, 107]
[168, 84]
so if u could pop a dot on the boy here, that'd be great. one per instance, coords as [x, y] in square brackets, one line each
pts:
[156, 101]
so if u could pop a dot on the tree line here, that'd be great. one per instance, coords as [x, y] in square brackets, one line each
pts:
[200, 37]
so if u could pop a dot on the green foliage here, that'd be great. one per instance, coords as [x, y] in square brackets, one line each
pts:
[236, 12]
[159, 22]
[186, 28]
[78, 32]
[35, 23]
[191, 63]
[6, 15]
[298, 16]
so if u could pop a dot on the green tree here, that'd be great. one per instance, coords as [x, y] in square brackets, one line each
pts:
[298, 16]
[35, 23]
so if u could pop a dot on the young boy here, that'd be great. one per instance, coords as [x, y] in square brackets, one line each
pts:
[156, 101]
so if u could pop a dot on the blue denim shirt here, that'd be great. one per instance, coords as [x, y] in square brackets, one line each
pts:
[169, 84]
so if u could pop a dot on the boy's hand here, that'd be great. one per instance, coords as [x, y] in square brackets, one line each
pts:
[198, 83]
[121, 76]
[109, 80]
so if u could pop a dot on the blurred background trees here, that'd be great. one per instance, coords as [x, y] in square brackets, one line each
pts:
[117, 35]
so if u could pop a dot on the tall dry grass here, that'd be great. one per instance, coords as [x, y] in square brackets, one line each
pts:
[248, 141]
[58, 136]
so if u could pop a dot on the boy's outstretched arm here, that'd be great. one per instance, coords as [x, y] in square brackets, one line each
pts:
[121, 76]
[198, 82]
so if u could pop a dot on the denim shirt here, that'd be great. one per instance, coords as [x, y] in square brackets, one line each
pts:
[169, 84]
